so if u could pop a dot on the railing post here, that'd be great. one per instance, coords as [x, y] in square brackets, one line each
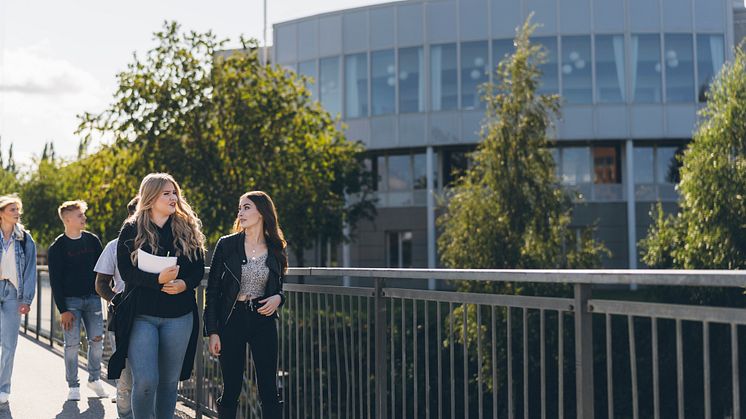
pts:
[51, 321]
[199, 359]
[583, 352]
[380, 350]
[38, 303]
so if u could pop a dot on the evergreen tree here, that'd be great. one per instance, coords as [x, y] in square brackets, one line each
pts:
[709, 231]
[508, 210]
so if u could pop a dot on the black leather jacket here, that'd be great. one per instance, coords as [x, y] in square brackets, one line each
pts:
[224, 282]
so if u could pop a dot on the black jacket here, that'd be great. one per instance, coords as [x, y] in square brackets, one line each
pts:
[139, 288]
[224, 282]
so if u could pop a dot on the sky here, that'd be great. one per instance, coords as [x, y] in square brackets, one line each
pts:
[59, 59]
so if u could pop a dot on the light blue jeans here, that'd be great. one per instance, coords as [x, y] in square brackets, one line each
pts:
[88, 310]
[10, 321]
[124, 386]
[156, 353]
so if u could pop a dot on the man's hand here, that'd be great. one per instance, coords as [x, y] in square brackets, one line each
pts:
[24, 309]
[168, 274]
[176, 286]
[66, 320]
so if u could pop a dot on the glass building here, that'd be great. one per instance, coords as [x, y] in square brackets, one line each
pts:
[405, 79]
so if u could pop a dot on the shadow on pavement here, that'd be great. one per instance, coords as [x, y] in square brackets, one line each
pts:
[70, 409]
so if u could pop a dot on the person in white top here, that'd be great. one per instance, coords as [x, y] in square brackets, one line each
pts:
[17, 283]
[108, 284]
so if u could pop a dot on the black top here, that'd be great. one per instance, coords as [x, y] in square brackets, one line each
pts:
[71, 263]
[151, 300]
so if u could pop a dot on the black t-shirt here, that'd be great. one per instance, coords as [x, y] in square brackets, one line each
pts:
[71, 263]
[150, 299]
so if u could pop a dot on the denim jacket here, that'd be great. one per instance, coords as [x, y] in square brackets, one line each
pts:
[25, 265]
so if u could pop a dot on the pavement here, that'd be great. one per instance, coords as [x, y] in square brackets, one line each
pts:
[39, 390]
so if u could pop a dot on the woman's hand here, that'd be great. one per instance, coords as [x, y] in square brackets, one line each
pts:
[214, 344]
[24, 309]
[177, 286]
[168, 274]
[270, 305]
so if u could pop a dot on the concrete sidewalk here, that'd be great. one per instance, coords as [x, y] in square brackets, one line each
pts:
[39, 390]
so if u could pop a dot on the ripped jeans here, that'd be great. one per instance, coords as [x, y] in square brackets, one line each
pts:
[88, 310]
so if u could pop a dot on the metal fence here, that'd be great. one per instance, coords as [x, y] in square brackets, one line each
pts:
[386, 348]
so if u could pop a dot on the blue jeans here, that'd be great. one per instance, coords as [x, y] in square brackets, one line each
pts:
[124, 387]
[156, 353]
[87, 309]
[10, 322]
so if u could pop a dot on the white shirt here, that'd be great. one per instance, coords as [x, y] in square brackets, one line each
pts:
[107, 265]
[8, 264]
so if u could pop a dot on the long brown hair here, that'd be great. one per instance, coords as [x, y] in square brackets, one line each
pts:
[272, 232]
[187, 228]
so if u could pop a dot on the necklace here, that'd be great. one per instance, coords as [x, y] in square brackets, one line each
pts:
[253, 248]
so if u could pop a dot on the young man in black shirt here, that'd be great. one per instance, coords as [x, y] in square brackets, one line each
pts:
[72, 258]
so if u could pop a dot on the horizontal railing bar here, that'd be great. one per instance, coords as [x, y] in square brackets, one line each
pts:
[485, 299]
[669, 311]
[709, 278]
[330, 289]
[669, 277]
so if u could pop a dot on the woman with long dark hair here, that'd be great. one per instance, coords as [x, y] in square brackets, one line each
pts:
[243, 294]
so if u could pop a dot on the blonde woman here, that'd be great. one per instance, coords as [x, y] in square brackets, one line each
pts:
[17, 283]
[158, 333]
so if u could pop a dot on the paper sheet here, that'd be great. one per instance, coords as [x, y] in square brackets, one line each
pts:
[153, 264]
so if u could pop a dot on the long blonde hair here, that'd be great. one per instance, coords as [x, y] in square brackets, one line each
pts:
[6, 200]
[187, 228]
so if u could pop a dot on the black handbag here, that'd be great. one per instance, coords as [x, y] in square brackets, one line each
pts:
[116, 306]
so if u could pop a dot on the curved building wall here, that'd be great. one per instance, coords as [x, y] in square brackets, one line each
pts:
[404, 77]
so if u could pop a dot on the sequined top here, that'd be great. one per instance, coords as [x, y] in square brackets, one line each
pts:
[254, 276]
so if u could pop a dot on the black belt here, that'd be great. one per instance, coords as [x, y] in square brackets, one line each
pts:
[250, 305]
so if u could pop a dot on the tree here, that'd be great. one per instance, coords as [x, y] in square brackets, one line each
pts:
[709, 230]
[224, 124]
[509, 210]
[8, 172]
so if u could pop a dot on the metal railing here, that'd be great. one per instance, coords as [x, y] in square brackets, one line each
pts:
[383, 348]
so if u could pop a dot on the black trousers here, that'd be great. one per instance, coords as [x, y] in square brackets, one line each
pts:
[260, 332]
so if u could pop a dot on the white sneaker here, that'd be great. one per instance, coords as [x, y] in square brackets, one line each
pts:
[4, 397]
[98, 388]
[74, 394]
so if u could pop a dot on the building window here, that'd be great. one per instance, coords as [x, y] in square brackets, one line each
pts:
[606, 167]
[577, 83]
[399, 249]
[646, 68]
[549, 78]
[656, 173]
[419, 164]
[679, 64]
[399, 173]
[308, 69]
[501, 49]
[443, 77]
[610, 86]
[402, 179]
[383, 82]
[356, 86]
[411, 80]
[594, 173]
[330, 92]
[710, 59]
[475, 70]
